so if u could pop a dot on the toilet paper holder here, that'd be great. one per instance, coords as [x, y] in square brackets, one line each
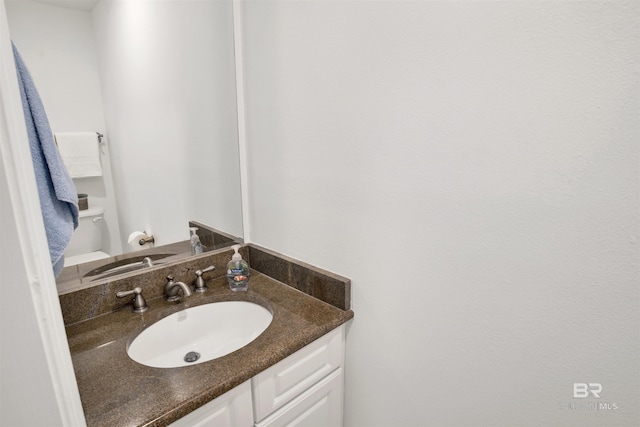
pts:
[147, 239]
[141, 238]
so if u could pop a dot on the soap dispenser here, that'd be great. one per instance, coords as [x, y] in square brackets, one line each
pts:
[196, 246]
[238, 272]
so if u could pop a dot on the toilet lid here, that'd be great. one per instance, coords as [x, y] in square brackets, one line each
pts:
[97, 210]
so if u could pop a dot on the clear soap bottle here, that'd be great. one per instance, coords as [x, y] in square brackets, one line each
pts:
[238, 272]
[196, 246]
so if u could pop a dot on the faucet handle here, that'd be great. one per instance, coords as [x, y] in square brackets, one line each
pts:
[206, 270]
[139, 303]
[199, 283]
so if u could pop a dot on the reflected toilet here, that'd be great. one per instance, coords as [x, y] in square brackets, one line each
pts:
[86, 242]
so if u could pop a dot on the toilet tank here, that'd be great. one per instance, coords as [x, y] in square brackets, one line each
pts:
[88, 236]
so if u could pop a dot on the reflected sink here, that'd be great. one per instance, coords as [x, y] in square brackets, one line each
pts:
[199, 334]
[124, 265]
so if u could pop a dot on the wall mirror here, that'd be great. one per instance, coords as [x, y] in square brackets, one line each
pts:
[157, 79]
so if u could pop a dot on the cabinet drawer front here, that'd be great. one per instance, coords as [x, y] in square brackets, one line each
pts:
[230, 409]
[285, 380]
[319, 406]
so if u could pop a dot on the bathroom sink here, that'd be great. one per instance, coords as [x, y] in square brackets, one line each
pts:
[199, 334]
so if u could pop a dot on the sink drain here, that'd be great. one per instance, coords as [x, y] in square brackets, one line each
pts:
[191, 357]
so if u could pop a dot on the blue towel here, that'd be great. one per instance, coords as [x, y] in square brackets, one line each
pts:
[58, 196]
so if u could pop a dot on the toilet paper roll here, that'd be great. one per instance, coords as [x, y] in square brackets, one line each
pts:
[135, 237]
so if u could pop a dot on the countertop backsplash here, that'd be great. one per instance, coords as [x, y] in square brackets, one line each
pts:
[100, 299]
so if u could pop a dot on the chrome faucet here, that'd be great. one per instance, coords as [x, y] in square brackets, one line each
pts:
[172, 288]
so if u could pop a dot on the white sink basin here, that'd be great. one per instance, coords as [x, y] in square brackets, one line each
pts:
[202, 333]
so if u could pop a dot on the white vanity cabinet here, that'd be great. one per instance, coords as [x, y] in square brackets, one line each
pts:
[319, 406]
[231, 409]
[305, 389]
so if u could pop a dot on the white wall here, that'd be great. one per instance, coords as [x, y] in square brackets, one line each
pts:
[58, 46]
[473, 168]
[168, 83]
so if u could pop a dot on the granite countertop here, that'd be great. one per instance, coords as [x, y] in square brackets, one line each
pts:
[116, 391]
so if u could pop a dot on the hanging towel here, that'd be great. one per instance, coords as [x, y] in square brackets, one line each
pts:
[80, 153]
[58, 196]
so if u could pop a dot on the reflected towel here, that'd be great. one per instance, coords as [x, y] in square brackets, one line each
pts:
[80, 153]
[58, 196]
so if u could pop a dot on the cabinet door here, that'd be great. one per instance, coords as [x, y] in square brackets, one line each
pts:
[319, 406]
[277, 385]
[233, 408]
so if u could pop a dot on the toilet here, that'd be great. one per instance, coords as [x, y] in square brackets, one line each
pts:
[86, 241]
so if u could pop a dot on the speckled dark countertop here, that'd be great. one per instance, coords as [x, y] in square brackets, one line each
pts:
[116, 391]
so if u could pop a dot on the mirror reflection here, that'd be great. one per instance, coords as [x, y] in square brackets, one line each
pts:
[156, 79]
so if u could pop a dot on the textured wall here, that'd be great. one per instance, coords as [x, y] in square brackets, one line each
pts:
[473, 168]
